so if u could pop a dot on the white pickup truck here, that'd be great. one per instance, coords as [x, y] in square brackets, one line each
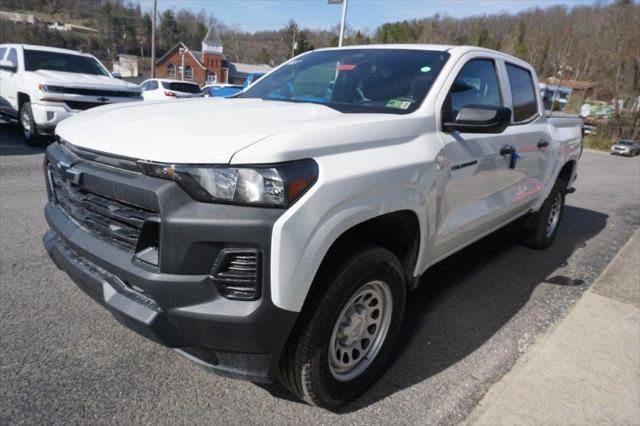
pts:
[275, 235]
[40, 86]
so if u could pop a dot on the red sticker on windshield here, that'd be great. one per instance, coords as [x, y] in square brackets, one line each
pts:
[345, 67]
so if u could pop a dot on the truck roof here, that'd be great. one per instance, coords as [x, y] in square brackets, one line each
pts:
[45, 48]
[457, 50]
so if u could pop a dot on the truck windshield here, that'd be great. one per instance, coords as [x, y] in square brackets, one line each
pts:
[41, 60]
[391, 81]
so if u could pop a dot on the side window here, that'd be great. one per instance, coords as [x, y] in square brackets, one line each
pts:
[477, 84]
[144, 86]
[153, 85]
[2, 52]
[523, 93]
[13, 57]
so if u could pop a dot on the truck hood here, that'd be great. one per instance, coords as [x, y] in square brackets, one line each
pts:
[205, 130]
[72, 79]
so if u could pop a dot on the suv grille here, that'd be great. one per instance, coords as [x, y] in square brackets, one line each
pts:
[114, 221]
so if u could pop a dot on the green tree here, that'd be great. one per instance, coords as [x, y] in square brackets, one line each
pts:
[168, 30]
[263, 56]
[520, 49]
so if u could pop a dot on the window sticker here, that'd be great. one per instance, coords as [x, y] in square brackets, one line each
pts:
[398, 103]
[425, 69]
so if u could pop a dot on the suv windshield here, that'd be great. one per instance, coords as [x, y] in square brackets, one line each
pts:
[41, 60]
[391, 81]
[181, 87]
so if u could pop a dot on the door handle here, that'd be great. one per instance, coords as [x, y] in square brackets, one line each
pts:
[543, 144]
[507, 150]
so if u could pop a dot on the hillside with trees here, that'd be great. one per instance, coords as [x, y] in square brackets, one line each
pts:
[598, 42]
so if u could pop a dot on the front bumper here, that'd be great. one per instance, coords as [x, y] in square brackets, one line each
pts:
[48, 115]
[176, 304]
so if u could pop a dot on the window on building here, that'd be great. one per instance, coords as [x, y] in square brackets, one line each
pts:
[171, 70]
[211, 77]
[188, 72]
[522, 93]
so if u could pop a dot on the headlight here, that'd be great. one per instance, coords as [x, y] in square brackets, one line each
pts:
[278, 185]
[50, 89]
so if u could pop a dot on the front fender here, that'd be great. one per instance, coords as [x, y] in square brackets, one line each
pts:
[299, 249]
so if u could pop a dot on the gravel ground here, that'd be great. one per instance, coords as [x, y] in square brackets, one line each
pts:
[63, 359]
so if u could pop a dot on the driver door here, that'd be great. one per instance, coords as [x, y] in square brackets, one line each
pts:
[475, 177]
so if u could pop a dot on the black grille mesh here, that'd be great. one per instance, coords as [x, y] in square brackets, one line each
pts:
[114, 221]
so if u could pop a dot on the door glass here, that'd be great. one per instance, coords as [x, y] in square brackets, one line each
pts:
[2, 51]
[477, 84]
[13, 57]
[522, 93]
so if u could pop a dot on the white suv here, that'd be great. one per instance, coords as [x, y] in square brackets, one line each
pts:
[40, 86]
[156, 88]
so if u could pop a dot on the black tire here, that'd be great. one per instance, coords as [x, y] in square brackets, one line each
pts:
[29, 132]
[305, 368]
[535, 229]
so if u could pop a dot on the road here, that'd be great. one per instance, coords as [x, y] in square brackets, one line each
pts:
[66, 360]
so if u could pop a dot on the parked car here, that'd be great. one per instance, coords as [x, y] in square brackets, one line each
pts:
[41, 86]
[626, 147]
[221, 90]
[282, 247]
[252, 78]
[159, 88]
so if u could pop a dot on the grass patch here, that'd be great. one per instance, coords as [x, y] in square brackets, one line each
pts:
[598, 142]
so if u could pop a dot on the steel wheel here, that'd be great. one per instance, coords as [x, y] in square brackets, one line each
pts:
[360, 330]
[554, 214]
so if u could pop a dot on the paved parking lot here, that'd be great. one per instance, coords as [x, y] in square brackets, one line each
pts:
[65, 359]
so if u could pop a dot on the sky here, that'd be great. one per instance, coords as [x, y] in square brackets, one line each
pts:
[255, 15]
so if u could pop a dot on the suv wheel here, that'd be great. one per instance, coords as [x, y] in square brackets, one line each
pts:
[28, 124]
[347, 329]
[539, 229]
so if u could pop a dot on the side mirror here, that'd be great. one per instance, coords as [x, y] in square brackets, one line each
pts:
[117, 75]
[480, 119]
[8, 66]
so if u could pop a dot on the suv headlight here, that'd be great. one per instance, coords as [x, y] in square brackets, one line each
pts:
[278, 185]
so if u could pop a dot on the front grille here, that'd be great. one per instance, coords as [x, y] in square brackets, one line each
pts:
[119, 223]
[83, 105]
[236, 271]
[101, 92]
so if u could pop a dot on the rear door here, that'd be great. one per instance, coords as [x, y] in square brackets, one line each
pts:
[475, 179]
[528, 133]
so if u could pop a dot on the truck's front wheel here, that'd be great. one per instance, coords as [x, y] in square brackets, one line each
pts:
[28, 124]
[346, 331]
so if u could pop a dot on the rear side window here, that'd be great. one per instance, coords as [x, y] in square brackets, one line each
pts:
[2, 51]
[523, 94]
[477, 84]
[181, 87]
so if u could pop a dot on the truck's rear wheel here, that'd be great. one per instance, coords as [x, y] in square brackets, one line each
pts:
[346, 332]
[28, 124]
[539, 229]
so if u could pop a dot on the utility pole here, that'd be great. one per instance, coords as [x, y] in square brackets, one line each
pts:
[153, 39]
[342, 22]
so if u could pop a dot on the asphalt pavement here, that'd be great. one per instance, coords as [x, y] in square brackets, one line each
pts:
[64, 359]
